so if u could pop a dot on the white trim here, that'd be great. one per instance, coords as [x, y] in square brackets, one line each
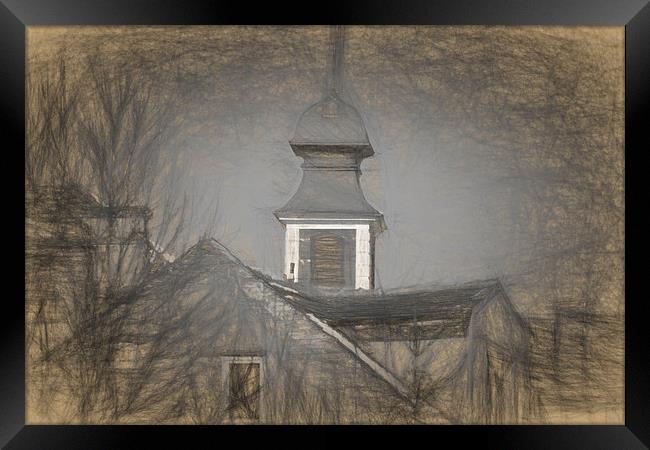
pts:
[362, 251]
[304, 219]
[292, 252]
[374, 365]
[329, 226]
[284, 287]
[333, 144]
[362, 259]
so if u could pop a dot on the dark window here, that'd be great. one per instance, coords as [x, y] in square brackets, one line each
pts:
[244, 390]
[327, 260]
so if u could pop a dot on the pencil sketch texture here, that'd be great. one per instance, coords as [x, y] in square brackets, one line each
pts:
[332, 225]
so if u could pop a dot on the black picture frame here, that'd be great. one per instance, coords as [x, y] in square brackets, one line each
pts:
[16, 15]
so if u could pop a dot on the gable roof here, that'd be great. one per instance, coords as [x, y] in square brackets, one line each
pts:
[442, 312]
[446, 304]
[201, 260]
[356, 320]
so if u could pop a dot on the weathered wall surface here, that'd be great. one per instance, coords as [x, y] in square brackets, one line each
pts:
[226, 311]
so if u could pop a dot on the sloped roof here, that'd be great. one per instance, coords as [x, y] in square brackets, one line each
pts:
[329, 194]
[358, 322]
[451, 303]
[444, 311]
[332, 140]
[207, 261]
[441, 313]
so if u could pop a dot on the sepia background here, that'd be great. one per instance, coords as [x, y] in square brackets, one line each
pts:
[498, 153]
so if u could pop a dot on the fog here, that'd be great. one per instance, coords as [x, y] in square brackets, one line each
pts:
[498, 151]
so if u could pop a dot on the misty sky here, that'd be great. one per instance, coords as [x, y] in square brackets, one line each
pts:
[477, 132]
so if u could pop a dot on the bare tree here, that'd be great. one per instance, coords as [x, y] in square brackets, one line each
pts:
[96, 177]
[52, 105]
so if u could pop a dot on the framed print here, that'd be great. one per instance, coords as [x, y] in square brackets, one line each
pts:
[411, 218]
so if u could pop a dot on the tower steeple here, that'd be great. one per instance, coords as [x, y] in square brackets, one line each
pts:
[337, 49]
[330, 226]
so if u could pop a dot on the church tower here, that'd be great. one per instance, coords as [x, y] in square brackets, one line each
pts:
[330, 227]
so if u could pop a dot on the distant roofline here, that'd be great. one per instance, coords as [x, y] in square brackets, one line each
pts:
[94, 208]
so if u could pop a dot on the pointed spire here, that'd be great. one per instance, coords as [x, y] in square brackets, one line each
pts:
[337, 48]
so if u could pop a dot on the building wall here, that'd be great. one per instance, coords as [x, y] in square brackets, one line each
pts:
[437, 358]
[309, 377]
[72, 256]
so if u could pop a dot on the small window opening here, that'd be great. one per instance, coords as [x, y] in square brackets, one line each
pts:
[244, 391]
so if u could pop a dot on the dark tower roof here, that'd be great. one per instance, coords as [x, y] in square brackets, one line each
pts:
[327, 194]
[331, 121]
[331, 139]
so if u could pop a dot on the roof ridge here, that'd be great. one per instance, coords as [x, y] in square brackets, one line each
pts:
[376, 367]
[312, 308]
[414, 289]
[349, 344]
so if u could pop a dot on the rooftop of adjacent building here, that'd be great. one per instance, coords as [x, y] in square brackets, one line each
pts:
[75, 201]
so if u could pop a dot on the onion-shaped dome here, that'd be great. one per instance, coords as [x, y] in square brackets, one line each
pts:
[331, 139]
[331, 121]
